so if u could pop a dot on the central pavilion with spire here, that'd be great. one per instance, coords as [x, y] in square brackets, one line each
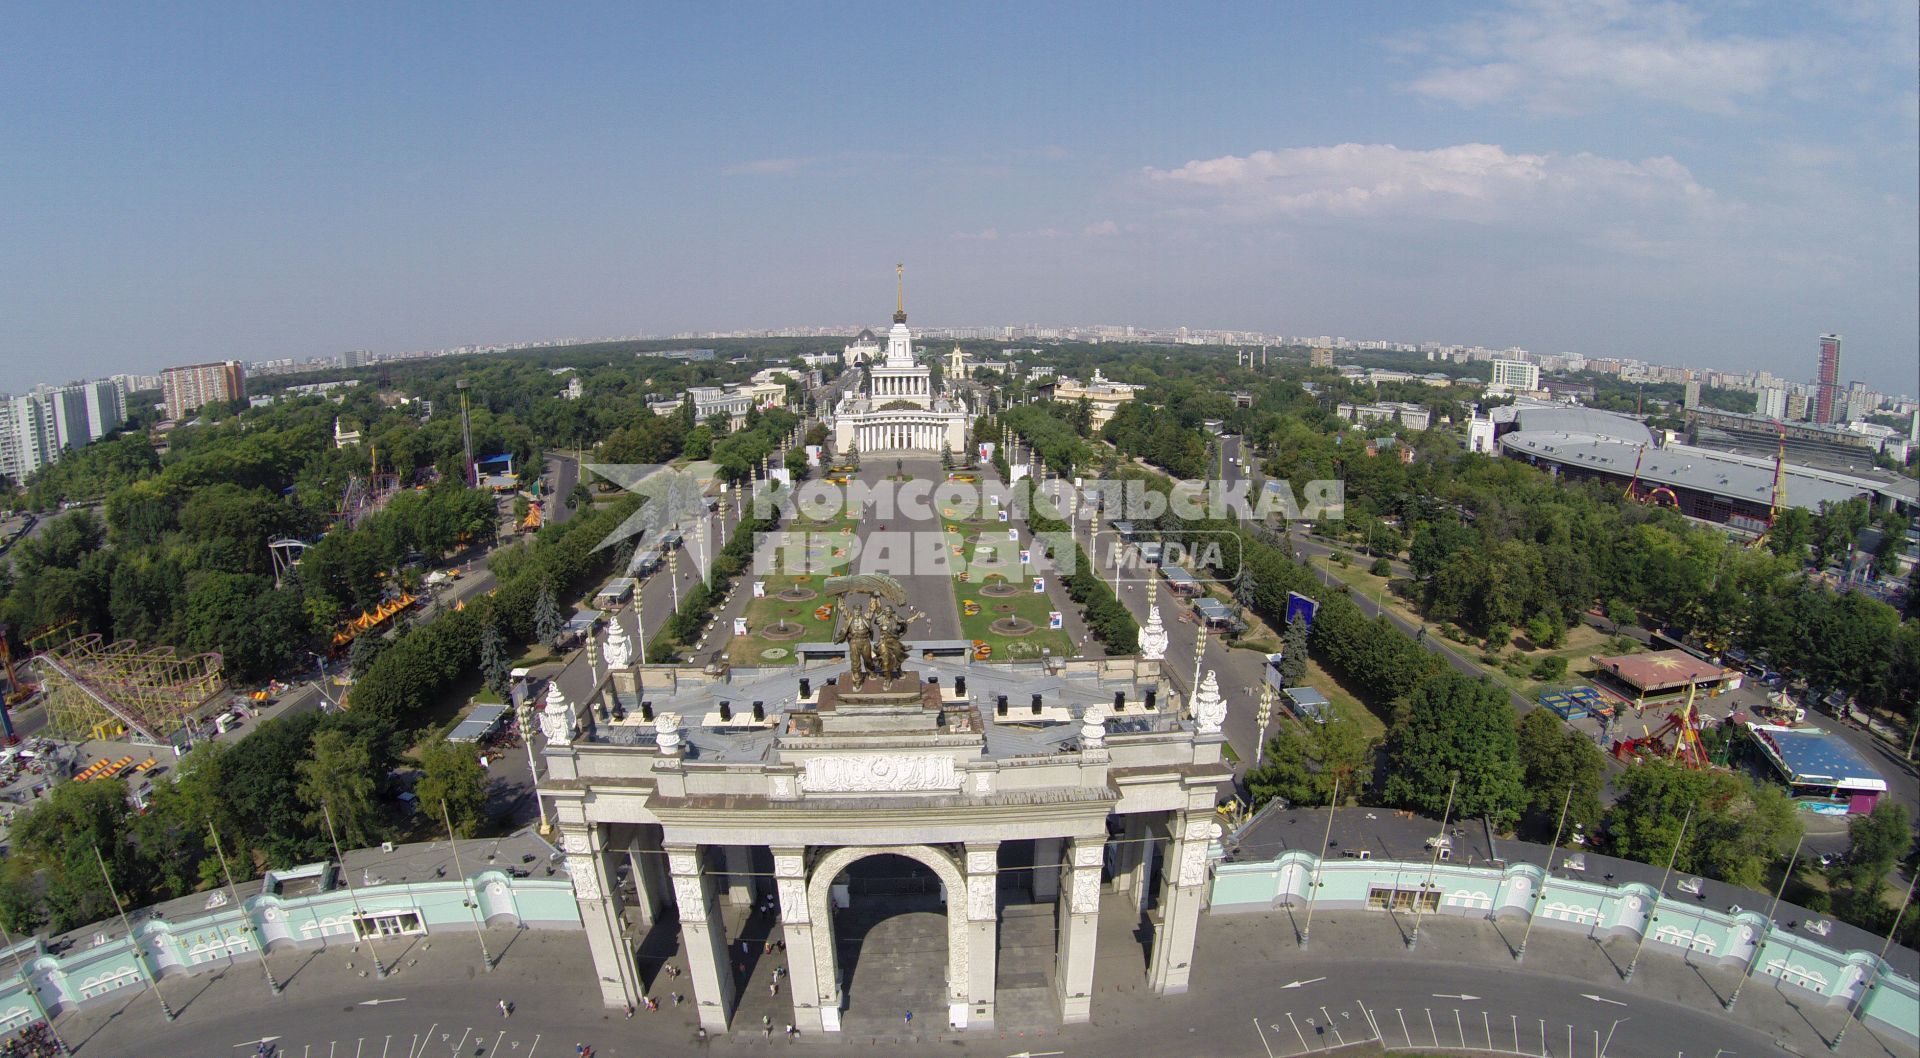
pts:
[898, 410]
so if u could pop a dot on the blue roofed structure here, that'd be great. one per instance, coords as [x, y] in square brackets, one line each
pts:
[1823, 771]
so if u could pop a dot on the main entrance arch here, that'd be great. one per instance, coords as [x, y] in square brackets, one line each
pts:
[826, 951]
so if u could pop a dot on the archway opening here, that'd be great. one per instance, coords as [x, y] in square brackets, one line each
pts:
[890, 932]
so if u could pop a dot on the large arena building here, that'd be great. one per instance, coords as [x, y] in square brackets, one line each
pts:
[1723, 487]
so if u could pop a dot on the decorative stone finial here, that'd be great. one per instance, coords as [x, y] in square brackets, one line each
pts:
[556, 716]
[619, 646]
[666, 733]
[1209, 709]
[593, 655]
[1093, 726]
[1153, 638]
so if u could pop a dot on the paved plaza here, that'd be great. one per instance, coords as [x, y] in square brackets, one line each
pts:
[1356, 982]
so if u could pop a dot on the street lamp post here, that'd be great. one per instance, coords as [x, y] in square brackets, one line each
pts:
[1853, 1009]
[473, 894]
[233, 891]
[1420, 898]
[1267, 698]
[1759, 942]
[139, 949]
[359, 917]
[1313, 884]
[321, 664]
[527, 724]
[1199, 658]
[1654, 911]
[1540, 891]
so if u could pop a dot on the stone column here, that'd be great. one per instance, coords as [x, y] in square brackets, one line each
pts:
[1079, 929]
[796, 924]
[1141, 888]
[1124, 857]
[983, 934]
[1046, 869]
[739, 875]
[705, 938]
[644, 864]
[600, 915]
[1182, 893]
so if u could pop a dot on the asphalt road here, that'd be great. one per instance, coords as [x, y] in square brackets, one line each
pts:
[903, 544]
[562, 474]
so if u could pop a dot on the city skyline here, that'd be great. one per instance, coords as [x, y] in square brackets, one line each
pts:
[1677, 185]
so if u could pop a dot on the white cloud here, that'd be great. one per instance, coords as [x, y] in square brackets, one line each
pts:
[767, 167]
[1556, 56]
[1104, 227]
[1475, 183]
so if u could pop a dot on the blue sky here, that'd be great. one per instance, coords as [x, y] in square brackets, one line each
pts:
[1710, 185]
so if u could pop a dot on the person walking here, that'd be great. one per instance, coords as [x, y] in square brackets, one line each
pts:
[908, 1020]
[505, 1010]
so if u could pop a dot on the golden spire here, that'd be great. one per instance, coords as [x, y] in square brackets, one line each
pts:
[900, 297]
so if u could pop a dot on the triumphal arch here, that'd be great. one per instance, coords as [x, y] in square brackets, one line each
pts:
[683, 793]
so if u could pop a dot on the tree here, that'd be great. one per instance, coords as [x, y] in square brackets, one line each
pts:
[172, 833]
[547, 622]
[452, 773]
[1875, 842]
[261, 782]
[1553, 759]
[1451, 726]
[493, 662]
[366, 650]
[796, 463]
[1303, 761]
[1550, 668]
[53, 850]
[339, 779]
[240, 615]
[1293, 660]
[1738, 826]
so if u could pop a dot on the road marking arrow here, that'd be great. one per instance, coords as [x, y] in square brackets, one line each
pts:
[1297, 984]
[1035, 1054]
[1463, 997]
[1601, 999]
[377, 1002]
[256, 1043]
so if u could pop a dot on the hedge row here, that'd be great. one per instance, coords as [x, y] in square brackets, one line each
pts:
[1107, 617]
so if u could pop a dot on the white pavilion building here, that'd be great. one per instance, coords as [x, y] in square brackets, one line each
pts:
[899, 411]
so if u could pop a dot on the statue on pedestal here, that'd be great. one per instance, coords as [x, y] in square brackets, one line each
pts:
[857, 634]
[872, 635]
[888, 652]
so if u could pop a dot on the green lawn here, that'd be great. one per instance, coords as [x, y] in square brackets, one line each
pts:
[1345, 703]
[754, 648]
[1027, 605]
